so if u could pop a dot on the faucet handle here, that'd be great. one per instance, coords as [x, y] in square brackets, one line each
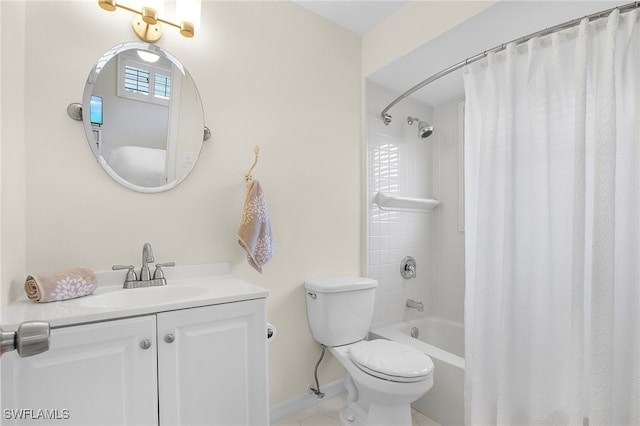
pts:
[158, 274]
[131, 274]
[408, 268]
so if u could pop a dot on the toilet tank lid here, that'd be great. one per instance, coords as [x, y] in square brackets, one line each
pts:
[340, 283]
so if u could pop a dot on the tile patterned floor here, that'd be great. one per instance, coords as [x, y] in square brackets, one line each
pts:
[326, 414]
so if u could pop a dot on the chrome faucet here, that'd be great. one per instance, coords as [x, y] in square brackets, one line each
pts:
[414, 304]
[132, 280]
[147, 257]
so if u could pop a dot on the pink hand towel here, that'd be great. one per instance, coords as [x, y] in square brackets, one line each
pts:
[254, 232]
[52, 286]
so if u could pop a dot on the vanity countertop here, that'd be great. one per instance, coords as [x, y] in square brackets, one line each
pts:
[187, 287]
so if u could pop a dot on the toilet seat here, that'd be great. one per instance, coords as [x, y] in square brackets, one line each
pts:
[391, 361]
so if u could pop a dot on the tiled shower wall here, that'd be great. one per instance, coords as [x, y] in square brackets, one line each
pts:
[400, 163]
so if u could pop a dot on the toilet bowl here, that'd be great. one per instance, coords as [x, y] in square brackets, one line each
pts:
[382, 377]
[379, 394]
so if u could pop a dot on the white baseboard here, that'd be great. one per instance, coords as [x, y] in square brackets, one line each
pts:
[286, 408]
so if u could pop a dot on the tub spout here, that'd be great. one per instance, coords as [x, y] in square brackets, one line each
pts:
[414, 304]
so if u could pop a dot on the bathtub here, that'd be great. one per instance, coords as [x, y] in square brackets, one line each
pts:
[443, 341]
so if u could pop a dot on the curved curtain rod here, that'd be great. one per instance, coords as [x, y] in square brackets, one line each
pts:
[386, 117]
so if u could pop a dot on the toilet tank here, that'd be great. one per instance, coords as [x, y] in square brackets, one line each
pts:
[340, 309]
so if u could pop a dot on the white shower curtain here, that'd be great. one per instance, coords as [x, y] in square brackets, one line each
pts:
[552, 180]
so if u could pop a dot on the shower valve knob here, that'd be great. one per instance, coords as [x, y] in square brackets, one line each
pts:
[408, 268]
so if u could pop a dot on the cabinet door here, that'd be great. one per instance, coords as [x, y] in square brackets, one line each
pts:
[214, 370]
[93, 374]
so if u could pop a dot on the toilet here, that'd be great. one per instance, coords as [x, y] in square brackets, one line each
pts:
[382, 377]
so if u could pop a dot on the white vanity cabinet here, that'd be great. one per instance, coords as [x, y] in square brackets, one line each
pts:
[204, 365]
[91, 374]
[212, 364]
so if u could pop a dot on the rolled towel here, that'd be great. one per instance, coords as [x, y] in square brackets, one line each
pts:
[64, 285]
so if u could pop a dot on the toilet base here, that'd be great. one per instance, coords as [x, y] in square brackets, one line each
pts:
[353, 414]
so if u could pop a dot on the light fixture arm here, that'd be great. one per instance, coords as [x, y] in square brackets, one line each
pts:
[146, 22]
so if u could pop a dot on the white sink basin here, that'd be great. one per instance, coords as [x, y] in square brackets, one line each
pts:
[142, 296]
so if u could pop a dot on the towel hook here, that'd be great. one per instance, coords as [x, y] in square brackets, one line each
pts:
[256, 151]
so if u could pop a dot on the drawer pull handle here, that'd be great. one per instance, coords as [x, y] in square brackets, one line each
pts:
[169, 338]
[145, 344]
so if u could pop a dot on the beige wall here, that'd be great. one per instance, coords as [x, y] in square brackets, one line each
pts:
[12, 145]
[411, 26]
[269, 74]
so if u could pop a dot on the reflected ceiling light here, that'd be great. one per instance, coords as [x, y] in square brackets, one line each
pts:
[148, 56]
[147, 20]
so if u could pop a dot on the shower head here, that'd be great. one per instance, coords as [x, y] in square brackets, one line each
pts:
[424, 129]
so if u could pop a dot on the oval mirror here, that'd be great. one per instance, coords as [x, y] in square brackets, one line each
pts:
[143, 117]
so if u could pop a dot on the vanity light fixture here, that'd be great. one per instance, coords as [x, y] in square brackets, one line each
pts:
[146, 21]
